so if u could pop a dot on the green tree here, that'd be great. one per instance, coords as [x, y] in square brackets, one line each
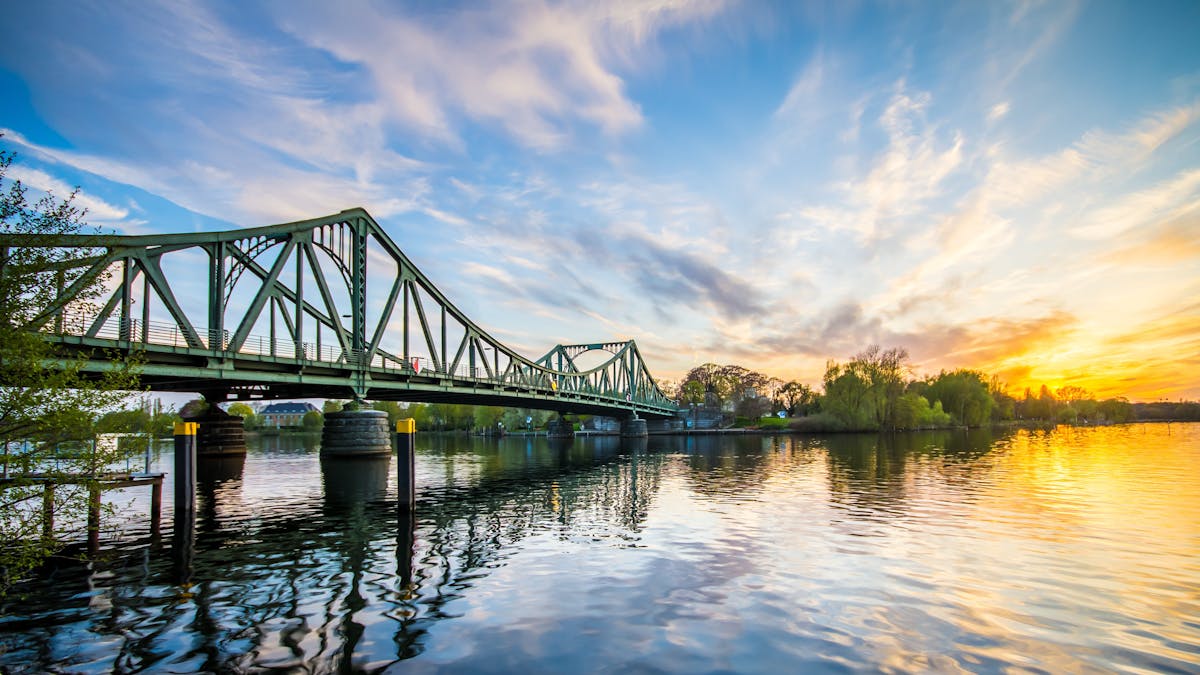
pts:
[753, 407]
[136, 421]
[691, 391]
[1005, 407]
[1088, 409]
[799, 399]
[419, 412]
[486, 417]
[714, 380]
[194, 408]
[312, 421]
[250, 419]
[451, 417]
[394, 412]
[46, 397]
[846, 397]
[883, 371]
[1116, 410]
[963, 394]
[1072, 394]
[162, 422]
[913, 411]
[1047, 406]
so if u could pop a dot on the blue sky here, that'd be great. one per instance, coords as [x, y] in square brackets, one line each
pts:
[1007, 186]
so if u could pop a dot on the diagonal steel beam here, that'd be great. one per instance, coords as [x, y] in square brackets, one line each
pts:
[323, 287]
[150, 266]
[265, 291]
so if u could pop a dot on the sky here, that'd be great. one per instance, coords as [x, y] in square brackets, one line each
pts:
[1008, 187]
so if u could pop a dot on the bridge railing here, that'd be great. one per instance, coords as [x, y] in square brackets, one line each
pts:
[164, 334]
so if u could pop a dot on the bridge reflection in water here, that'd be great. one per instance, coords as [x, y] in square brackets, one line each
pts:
[329, 574]
[323, 572]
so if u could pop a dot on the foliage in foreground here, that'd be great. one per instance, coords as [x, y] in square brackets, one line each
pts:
[47, 402]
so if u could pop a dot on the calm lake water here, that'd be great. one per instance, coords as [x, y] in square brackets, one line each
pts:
[1073, 550]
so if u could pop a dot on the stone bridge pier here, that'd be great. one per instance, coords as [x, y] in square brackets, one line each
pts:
[220, 434]
[634, 427]
[356, 433]
[560, 428]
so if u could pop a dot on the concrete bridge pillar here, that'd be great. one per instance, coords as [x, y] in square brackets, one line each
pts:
[633, 427]
[560, 428]
[220, 435]
[356, 433]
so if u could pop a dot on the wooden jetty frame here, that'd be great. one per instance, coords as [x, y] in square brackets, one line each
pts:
[97, 484]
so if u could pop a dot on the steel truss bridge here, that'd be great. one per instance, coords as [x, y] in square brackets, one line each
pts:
[290, 311]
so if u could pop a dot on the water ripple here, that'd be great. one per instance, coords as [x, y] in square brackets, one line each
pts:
[1073, 550]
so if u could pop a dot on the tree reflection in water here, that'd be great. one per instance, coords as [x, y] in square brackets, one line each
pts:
[263, 581]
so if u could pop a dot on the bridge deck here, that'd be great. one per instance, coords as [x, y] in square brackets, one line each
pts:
[250, 375]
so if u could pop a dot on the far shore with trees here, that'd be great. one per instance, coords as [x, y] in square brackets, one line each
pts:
[876, 391]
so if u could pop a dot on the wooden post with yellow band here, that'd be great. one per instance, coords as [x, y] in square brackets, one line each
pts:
[406, 488]
[185, 467]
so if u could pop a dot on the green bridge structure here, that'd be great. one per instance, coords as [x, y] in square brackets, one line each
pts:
[322, 308]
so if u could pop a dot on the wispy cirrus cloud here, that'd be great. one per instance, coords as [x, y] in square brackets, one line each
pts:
[1036, 198]
[909, 172]
[97, 210]
[1172, 240]
[533, 69]
[1164, 201]
[312, 109]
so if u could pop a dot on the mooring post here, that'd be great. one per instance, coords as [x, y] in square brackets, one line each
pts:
[185, 467]
[406, 441]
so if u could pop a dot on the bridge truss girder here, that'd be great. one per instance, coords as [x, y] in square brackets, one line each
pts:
[401, 339]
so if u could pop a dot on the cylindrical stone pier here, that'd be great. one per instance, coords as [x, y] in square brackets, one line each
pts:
[560, 429]
[356, 433]
[221, 434]
[633, 428]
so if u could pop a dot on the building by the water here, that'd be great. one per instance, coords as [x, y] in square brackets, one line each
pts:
[285, 414]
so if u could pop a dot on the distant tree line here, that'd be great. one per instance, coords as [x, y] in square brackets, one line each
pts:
[876, 391]
[1163, 411]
